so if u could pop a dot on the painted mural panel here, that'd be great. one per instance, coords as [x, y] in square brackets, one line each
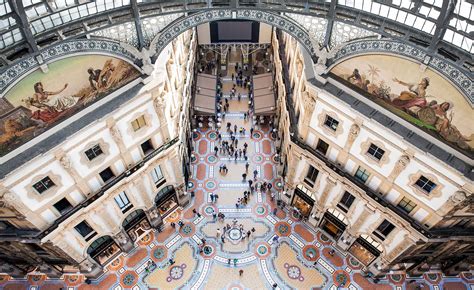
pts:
[42, 100]
[424, 98]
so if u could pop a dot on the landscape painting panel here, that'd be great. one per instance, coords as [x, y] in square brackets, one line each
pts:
[42, 100]
[424, 98]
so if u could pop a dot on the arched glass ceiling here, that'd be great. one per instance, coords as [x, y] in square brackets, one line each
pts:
[22, 22]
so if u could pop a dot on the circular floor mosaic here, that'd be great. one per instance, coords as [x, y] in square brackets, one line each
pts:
[212, 135]
[191, 184]
[207, 250]
[128, 279]
[260, 210]
[282, 229]
[256, 135]
[195, 135]
[211, 185]
[234, 234]
[257, 158]
[279, 184]
[262, 250]
[209, 210]
[159, 253]
[211, 159]
[176, 272]
[187, 229]
[293, 272]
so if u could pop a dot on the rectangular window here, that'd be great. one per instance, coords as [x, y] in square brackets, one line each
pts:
[375, 152]
[138, 123]
[322, 147]
[85, 230]
[406, 204]
[43, 185]
[157, 176]
[93, 152]
[346, 202]
[383, 229]
[425, 184]
[147, 147]
[331, 123]
[63, 206]
[362, 174]
[107, 174]
[122, 201]
[310, 178]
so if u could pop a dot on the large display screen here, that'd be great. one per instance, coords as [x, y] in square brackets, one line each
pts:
[234, 31]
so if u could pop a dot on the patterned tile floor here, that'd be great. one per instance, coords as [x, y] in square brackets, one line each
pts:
[298, 260]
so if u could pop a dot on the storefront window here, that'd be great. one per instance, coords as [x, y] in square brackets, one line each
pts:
[303, 200]
[366, 249]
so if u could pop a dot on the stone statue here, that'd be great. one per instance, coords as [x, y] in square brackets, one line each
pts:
[324, 54]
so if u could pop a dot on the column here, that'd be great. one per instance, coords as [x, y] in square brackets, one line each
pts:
[360, 221]
[401, 164]
[123, 240]
[403, 245]
[12, 201]
[330, 183]
[309, 104]
[65, 162]
[353, 133]
[124, 153]
[159, 105]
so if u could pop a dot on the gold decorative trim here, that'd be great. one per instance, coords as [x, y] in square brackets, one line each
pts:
[104, 146]
[322, 119]
[415, 176]
[364, 146]
[140, 131]
[33, 194]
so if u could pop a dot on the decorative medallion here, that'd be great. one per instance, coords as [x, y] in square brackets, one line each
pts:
[176, 272]
[293, 272]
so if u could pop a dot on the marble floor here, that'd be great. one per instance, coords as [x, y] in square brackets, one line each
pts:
[300, 258]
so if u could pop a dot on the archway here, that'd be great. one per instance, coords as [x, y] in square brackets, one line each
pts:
[103, 250]
[166, 200]
[279, 21]
[136, 224]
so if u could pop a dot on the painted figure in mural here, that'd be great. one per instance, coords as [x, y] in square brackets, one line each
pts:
[49, 106]
[444, 126]
[355, 78]
[415, 97]
[94, 75]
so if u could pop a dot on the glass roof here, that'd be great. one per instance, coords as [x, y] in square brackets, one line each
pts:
[51, 17]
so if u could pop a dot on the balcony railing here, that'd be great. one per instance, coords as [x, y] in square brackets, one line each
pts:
[106, 187]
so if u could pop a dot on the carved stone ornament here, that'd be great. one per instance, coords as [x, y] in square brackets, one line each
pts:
[115, 134]
[159, 102]
[401, 164]
[122, 238]
[65, 161]
[354, 132]
[457, 197]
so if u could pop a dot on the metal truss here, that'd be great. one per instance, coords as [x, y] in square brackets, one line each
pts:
[117, 12]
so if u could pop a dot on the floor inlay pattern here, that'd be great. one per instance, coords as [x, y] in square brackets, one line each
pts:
[258, 249]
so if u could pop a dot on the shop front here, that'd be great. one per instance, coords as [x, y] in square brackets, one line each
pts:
[166, 201]
[365, 249]
[103, 250]
[136, 224]
[303, 201]
[333, 223]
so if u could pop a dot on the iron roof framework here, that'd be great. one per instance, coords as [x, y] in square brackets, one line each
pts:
[442, 28]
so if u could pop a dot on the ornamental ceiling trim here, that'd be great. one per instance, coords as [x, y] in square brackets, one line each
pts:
[279, 21]
[459, 77]
[14, 72]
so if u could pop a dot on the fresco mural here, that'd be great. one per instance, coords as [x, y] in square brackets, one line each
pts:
[424, 98]
[42, 100]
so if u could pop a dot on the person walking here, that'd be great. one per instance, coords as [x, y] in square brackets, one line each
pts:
[275, 210]
[247, 165]
[241, 272]
[218, 233]
[255, 173]
[244, 177]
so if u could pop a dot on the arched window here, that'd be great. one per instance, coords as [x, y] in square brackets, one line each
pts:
[165, 191]
[133, 218]
[99, 245]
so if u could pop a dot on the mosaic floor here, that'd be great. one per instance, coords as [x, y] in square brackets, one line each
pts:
[299, 259]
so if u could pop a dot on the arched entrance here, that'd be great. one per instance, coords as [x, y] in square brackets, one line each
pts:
[103, 250]
[192, 20]
[166, 200]
[136, 224]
